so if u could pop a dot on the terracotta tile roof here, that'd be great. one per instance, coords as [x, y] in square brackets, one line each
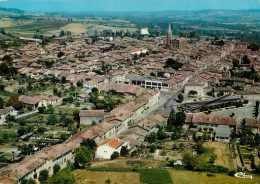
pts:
[30, 100]
[252, 123]
[211, 119]
[113, 143]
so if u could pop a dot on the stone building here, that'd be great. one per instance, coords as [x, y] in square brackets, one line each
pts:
[175, 44]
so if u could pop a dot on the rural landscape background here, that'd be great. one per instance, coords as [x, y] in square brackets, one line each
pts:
[111, 59]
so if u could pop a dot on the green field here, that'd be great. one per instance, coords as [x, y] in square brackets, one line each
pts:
[189, 177]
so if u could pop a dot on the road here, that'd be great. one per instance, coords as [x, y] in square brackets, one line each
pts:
[171, 99]
[26, 114]
[167, 101]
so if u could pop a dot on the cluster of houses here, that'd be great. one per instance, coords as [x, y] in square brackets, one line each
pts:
[222, 126]
[106, 129]
[133, 72]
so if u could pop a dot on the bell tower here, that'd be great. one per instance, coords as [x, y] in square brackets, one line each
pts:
[169, 37]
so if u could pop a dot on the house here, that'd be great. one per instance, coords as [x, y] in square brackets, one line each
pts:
[89, 116]
[6, 111]
[211, 121]
[94, 82]
[40, 101]
[108, 147]
[222, 133]
[34, 102]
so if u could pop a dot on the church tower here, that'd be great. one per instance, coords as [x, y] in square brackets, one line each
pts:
[169, 37]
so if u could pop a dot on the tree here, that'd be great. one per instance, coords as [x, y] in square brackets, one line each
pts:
[63, 137]
[161, 135]
[76, 115]
[28, 181]
[21, 122]
[64, 176]
[171, 63]
[10, 118]
[180, 97]
[26, 149]
[253, 47]
[200, 148]
[212, 159]
[171, 119]
[56, 168]
[83, 156]
[1, 103]
[79, 84]
[124, 151]
[52, 120]
[43, 176]
[176, 132]
[190, 161]
[89, 143]
[193, 93]
[63, 80]
[21, 131]
[152, 137]
[108, 181]
[41, 130]
[41, 109]
[246, 60]
[94, 90]
[62, 33]
[180, 118]
[235, 62]
[14, 101]
[60, 54]
[114, 155]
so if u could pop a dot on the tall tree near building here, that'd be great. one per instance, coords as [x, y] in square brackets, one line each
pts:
[14, 101]
[1, 103]
[43, 177]
[171, 119]
[83, 156]
[64, 176]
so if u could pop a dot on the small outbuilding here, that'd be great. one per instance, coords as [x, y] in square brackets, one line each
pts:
[222, 133]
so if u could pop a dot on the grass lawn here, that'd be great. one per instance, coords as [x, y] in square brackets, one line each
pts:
[155, 176]
[189, 177]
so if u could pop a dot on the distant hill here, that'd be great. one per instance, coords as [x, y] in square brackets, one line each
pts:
[11, 10]
[5, 37]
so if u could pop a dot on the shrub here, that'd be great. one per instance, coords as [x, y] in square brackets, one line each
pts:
[163, 153]
[114, 156]
[210, 174]
[41, 109]
[232, 173]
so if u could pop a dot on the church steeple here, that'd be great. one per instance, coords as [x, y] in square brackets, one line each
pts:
[169, 35]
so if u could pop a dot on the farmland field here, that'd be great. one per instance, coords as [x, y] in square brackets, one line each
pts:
[90, 177]
[189, 177]
[53, 26]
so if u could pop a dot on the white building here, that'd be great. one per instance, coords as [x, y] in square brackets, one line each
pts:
[6, 111]
[144, 31]
[108, 147]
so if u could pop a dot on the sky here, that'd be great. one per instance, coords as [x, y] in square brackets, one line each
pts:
[127, 5]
